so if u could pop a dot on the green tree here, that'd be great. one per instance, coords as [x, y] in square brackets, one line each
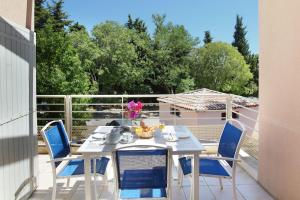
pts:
[219, 66]
[137, 24]
[59, 17]
[171, 57]
[88, 54]
[59, 69]
[76, 27]
[253, 61]
[129, 23]
[42, 15]
[240, 41]
[116, 65]
[207, 37]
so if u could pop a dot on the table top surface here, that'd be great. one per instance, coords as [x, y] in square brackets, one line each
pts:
[188, 145]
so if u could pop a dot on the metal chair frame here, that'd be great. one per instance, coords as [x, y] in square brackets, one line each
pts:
[141, 147]
[234, 160]
[67, 159]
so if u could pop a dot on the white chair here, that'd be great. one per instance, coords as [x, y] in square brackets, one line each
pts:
[143, 172]
[228, 150]
[58, 145]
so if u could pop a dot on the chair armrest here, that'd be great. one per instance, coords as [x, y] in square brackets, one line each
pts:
[65, 158]
[220, 158]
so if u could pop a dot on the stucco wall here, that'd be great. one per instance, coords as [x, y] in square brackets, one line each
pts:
[279, 161]
[188, 118]
[18, 11]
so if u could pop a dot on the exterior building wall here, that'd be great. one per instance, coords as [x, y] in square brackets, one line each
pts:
[206, 125]
[210, 117]
[279, 118]
[196, 118]
[18, 11]
[18, 131]
[187, 117]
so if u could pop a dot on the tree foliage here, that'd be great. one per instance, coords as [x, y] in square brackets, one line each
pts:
[118, 73]
[171, 61]
[221, 67]
[253, 61]
[125, 58]
[207, 37]
[59, 17]
[137, 24]
[240, 41]
[59, 68]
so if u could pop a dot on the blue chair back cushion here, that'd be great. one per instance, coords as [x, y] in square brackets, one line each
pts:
[141, 169]
[58, 141]
[229, 141]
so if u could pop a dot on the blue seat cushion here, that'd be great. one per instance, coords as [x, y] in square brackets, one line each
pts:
[143, 193]
[76, 167]
[207, 167]
[144, 178]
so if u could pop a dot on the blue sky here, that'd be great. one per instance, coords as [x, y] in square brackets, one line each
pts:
[217, 16]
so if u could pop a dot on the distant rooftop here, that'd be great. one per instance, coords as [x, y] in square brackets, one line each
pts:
[205, 99]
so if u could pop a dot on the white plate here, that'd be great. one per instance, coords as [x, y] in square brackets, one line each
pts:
[182, 135]
[99, 136]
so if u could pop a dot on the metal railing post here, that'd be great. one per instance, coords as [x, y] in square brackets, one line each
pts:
[228, 107]
[67, 110]
[66, 114]
[70, 116]
[122, 110]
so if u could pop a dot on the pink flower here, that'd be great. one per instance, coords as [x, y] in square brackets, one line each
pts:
[139, 106]
[134, 109]
[133, 115]
[131, 105]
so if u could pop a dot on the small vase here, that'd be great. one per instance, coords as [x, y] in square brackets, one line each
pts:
[135, 122]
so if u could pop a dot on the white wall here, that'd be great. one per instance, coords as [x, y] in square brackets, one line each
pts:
[18, 144]
[279, 118]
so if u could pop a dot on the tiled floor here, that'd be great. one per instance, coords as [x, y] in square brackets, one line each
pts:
[247, 188]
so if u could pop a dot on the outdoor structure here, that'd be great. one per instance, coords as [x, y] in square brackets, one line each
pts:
[205, 111]
[206, 107]
[18, 141]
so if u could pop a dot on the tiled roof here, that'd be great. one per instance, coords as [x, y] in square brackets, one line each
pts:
[205, 99]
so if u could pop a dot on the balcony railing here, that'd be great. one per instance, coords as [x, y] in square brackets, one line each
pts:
[203, 114]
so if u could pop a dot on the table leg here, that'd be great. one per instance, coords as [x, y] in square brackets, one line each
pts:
[195, 177]
[87, 176]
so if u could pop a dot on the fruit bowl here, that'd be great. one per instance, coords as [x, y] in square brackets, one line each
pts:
[145, 132]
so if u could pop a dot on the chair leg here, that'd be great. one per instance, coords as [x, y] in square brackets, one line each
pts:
[180, 179]
[234, 189]
[54, 189]
[105, 178]
[116, 191]
[95, 187]
[191, 188]
[221, 184]
[68, 182]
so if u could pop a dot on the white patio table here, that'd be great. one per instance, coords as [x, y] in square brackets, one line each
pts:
[186, 146]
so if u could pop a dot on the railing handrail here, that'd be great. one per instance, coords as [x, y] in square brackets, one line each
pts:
[129, 95]
[70, 107]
